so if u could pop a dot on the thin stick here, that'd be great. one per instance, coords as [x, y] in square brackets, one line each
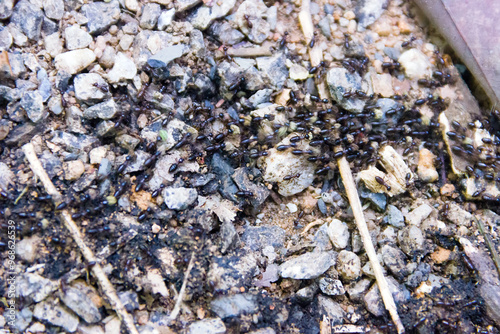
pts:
[352, 194]
[99, 273]
[182, 292]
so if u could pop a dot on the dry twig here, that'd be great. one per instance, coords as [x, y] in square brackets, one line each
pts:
[346, 175]
[182, 292]
[89, 256]
[490, 244]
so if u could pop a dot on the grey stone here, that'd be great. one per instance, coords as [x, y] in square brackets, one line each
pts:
[355, 49]
[49, 27]
[415, 63]
[32, 102]
[74, 61]
[21, 134]
[329, 9]
[207, 326]
[348, 265]
[165, 18]
[392, 53]
[306, 294]
[197, 44]
[16, 61]
[123, 69]
[73, 143]
[74, 120]
[18, 37]
[251, 11]
[331, 287]
[163, 57]
[81, 303]
[8, 94]
[356, 290]
[51, 311]
[104, 168]
[205, 15]
[44, 86]
[91, 88]
[22, 319]
[129, 300]
[379, 200]
[394, 217]
[150, 14]
[241, 177]
[411, 239]
[28, 18]
[261, 96]
[417, 215]
[101, 15]
[223, 169]
[368, 11]
[395, 260]
[274, 69]
[308, 265]
[233, 270]
[373, 299]
[76, 37]
[225, 33]
[257, 238]
[331, 309]
[6, 7]
[128, 142]
[235, 305]
[34, 287]
[5, 38]
[54, 9]
[420, 275]
[340, 81]
[179, 198]
[338, 233]
[324, 26]
[104, 110]
[182, 5]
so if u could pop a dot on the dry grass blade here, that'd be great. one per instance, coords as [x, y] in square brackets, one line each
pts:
[346, 175]
[182, 292]
[97, 270]
[491, 246]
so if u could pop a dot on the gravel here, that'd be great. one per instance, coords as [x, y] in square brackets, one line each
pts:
[308, 265]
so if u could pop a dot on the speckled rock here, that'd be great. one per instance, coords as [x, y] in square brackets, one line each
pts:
[150, 14]
[253, 10]
[204, 15]
[235, 305]
[29, 18]
[104, 110]
[101, 15]
[81, 303]
[341, 81]
[179, 198]
[348, 265]
[73, 169]
[208, 326]
[308, 265]
[411, 240]
[395, 260]
[53, 312]
[330, 286]
[331, 309]
[32, 103]
[76, 37]
[373, 299]
[394, 217]
[91, 88]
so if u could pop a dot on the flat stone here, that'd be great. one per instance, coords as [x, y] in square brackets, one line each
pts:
[235, 305]
[412, 240]
[74, 61]
[331, 309]
[340, 81]
[76, 37]
[394, 217]
[179, 198]
[395, 260]
[229, 271]
[32, 103]
[257, 238]
[163, 57]
[308, 265]
[260, 27]
[165, 18]
[104, 110]
[205, 15]
[273, 69]
[28, 18]
[418, 214]
[207, 326]
[91, 88]
[182, 5]
[373, 299]
[338, 233]
[225, 33]
[81, 303]
[368, 11]
[54, 9]
[101, 15]
[123, 69]
[54, 313]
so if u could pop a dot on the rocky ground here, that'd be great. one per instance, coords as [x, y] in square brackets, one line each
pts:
[193, 142]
